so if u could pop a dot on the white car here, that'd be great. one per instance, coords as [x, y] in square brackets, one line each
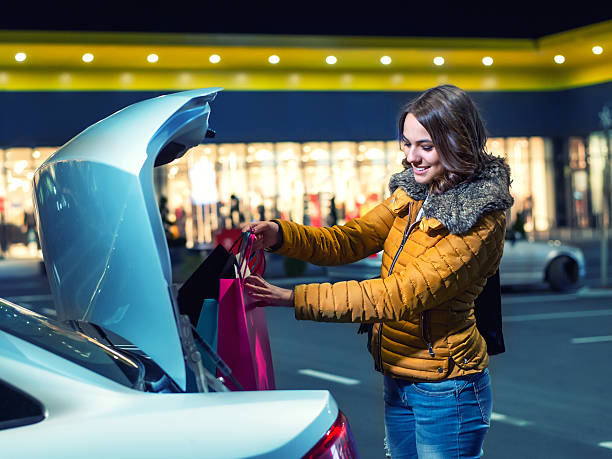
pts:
[531, 262]
[523, 262]
[117, 373]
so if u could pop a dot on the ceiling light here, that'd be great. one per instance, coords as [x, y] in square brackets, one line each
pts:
[597, 50]
[559, 59]
[439, 60]
[88, 57]
[20, 57]
[214, 59]
[152, 58]
[36, 154]
[488, 60]
[331, 60]
[274, 59]
[385, 60]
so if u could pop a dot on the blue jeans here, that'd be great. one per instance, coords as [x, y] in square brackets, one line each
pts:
[445, 419]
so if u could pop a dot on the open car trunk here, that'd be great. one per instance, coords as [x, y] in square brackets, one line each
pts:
[101, 233]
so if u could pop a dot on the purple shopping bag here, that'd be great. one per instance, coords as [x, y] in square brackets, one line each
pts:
[243, 342]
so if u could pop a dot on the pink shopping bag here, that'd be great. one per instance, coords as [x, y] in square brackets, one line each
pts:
[243, 342]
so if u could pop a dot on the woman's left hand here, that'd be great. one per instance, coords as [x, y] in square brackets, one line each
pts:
[265, 294]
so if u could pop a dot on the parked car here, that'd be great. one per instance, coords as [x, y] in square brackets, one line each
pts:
[116, 373]
[524, 262]
[559, 265]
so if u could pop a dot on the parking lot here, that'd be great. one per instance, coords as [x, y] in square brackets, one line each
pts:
[552, 396]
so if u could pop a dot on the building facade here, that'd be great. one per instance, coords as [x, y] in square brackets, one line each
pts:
[311, 141]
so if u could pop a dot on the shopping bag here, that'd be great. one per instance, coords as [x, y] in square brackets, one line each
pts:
[207, 328]
[243, 341]
[204, 282]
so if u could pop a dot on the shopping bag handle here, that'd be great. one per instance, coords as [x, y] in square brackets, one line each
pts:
[247, 254]
[259, 266]
[254, 259]
[257, 259]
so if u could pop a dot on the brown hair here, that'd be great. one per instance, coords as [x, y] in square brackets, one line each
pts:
[456, 129]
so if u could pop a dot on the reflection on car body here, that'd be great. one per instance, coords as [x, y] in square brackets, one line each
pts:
[115, 372]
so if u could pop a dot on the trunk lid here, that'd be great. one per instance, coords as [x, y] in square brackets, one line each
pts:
[101, 232]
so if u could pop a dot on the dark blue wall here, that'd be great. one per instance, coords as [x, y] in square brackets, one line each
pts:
[52, 118]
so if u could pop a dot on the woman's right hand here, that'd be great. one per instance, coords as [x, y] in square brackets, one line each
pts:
[267, 233]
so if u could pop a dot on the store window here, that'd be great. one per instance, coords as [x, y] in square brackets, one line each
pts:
[531, 166]
[346, 180]
[216, 187]
[262, 182]
[204, 219]
[18, 237]
[540, 201]
[579, 182]
[233, 184]
[394, 160]
[372, 174]
[517, 155]
[318, 182]
[290, 193]
[599, 169]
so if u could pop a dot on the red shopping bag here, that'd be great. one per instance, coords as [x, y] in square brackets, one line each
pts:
[243, 341]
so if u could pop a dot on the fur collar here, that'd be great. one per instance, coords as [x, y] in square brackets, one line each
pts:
[459, 208]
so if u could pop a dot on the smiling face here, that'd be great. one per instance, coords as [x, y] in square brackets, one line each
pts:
[420, 151]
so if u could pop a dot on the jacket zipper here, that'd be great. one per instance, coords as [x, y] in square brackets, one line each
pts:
[407, 231]
[378, 365]
[425, 333]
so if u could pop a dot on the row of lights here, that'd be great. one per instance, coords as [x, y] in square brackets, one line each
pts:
[331, 60]
[87, 57]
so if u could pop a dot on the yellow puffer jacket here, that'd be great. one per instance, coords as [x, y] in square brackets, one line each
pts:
[432, 270]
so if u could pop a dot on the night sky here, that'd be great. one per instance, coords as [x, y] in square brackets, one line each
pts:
[459, 18]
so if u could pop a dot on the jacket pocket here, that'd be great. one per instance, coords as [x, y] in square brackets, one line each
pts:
[426, 333]
[375, 346]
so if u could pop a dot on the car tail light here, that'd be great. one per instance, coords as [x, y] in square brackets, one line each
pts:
[337, 443]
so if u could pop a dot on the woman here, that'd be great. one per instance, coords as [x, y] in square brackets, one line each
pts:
[442, 232]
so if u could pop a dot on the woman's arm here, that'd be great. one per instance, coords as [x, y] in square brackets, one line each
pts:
[265, 294]
[439, 274]
[339, 244]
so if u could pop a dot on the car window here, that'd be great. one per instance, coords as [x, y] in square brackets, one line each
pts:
[74, 346]
[17, 408]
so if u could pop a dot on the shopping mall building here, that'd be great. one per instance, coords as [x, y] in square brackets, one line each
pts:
[304, 119]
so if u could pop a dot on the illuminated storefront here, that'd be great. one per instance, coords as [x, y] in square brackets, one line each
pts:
[219, 186]
[17, 224]
[316, 183]
[598, 161]
[531, 165]
[311, 139]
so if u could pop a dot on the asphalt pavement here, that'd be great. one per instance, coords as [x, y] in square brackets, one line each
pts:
[552, 396]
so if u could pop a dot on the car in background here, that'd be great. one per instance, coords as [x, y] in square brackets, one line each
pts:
[523, 263]
[118, 371]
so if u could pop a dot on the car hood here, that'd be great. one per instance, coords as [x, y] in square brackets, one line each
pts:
[101, 232]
